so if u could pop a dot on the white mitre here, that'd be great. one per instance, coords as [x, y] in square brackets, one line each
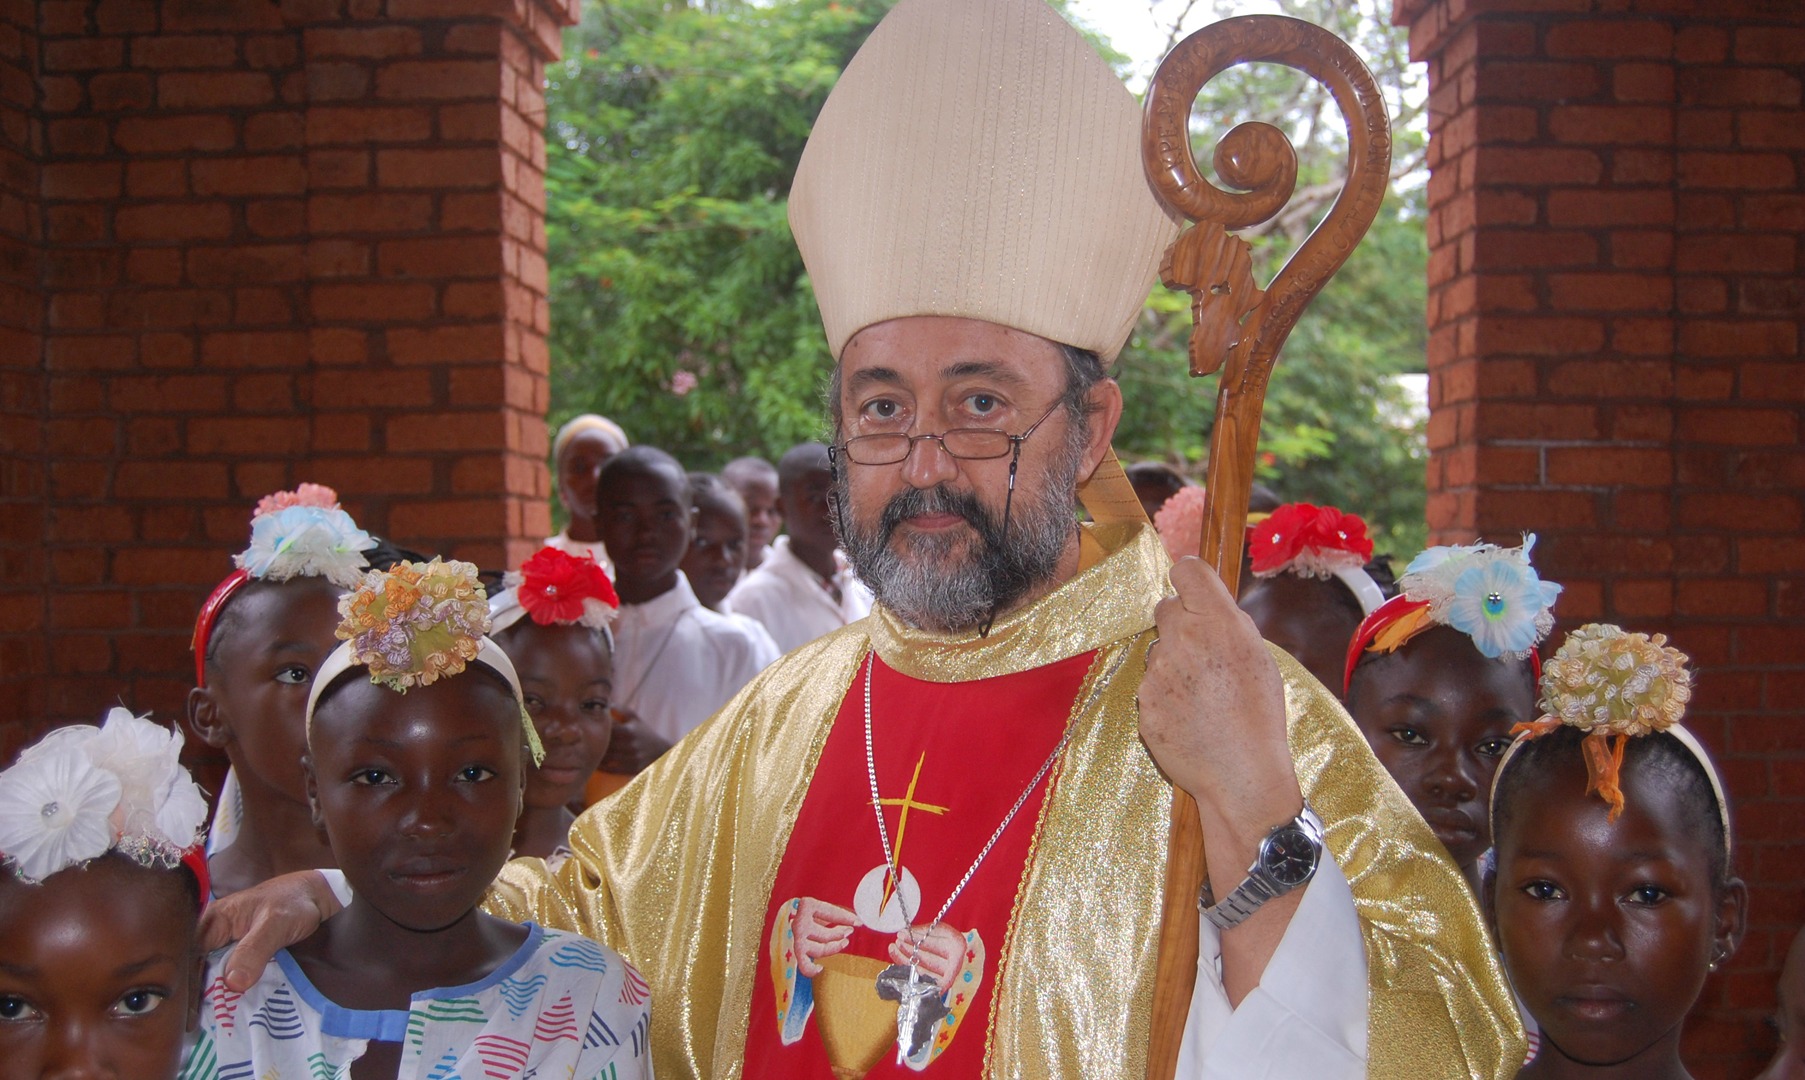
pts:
[979, 159]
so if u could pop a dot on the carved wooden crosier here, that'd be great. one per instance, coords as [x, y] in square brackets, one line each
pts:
[1239, 331]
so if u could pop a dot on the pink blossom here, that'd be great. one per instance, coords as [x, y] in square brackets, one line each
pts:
[305, 495]
[683, 382]
[1180, 522]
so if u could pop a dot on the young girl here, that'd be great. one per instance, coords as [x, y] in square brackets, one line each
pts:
[1438, 675]
[1310, 588]
[259, 639]
[415, 735]
[1612, 898]
[103, 883]
[552, 621]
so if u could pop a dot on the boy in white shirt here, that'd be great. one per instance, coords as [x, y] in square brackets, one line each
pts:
[804, 589]
[675, 661]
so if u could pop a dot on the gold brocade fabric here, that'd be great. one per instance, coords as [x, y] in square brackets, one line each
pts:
[675, 871]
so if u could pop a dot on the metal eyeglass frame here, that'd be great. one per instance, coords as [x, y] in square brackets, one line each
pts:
[834, 450]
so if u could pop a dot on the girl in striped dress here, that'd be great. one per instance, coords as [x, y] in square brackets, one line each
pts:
[417, 739]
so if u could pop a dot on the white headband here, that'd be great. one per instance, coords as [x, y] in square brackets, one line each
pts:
[1678, 731]
[1361, 584]
[488, 654]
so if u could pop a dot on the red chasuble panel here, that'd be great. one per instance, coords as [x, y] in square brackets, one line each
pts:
[951, 759]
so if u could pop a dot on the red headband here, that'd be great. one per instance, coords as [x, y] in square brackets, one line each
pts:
[209, 616]
[1389, 614]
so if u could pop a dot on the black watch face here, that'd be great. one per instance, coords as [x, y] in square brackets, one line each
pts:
[1290, 857]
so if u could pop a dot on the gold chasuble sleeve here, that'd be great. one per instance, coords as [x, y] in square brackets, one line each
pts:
[675, 871]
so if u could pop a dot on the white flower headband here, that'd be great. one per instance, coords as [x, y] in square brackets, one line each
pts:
[304, 533]
[299, 533]
[84, 791]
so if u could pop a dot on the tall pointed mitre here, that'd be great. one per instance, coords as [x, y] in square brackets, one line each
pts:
[979, 159]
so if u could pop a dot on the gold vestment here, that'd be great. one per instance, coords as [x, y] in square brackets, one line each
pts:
[675, 871]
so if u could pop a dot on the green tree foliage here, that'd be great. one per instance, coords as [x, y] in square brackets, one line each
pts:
[680, 307]
[1338, 429]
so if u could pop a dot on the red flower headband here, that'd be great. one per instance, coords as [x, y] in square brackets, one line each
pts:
[556, 588]
[1313, 541]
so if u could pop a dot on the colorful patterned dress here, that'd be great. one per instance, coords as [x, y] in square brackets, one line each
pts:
[561, 1006]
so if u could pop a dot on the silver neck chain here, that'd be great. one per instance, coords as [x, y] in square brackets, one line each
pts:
[892, 871]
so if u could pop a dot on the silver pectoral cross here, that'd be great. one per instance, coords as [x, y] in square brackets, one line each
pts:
[918, 1007]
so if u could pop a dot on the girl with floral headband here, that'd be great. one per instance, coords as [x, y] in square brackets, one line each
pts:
[102, 885]
[1438, 675]
[1611, 898]
[259, 639]
[417, 742]
[552, 621]
[1310, 586]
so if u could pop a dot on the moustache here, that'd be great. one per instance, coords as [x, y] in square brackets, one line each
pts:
[939, 499]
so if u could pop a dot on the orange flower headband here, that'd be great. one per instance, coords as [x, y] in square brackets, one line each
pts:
[414, 624]
[1615, 685]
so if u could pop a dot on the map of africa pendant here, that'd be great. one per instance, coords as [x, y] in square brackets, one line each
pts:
[918, 1007]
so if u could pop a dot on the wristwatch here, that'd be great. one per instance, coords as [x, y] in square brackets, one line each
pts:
[1287, 859]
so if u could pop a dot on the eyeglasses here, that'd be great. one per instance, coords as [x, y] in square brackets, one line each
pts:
[966, 444]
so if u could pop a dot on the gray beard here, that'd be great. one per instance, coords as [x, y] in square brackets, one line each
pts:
[951, 582]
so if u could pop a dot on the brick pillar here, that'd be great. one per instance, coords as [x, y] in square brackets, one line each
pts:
[1616, 289]
[23, 602]
[281, 242]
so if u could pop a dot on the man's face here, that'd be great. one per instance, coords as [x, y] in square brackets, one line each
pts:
[1608, 927]
[717, 551]
[764, 517]
[1438, 716]
[583, 455]
[566, 678]
[1306, 618]
[926, 533]
[418, 792]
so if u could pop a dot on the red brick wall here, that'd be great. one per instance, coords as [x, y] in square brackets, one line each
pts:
[281, 242]
[22, 602]
[1616, 291]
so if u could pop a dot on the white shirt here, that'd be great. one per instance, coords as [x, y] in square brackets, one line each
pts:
[1307, 1018]
[676, 662]
[790, 600]
[579, 548]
